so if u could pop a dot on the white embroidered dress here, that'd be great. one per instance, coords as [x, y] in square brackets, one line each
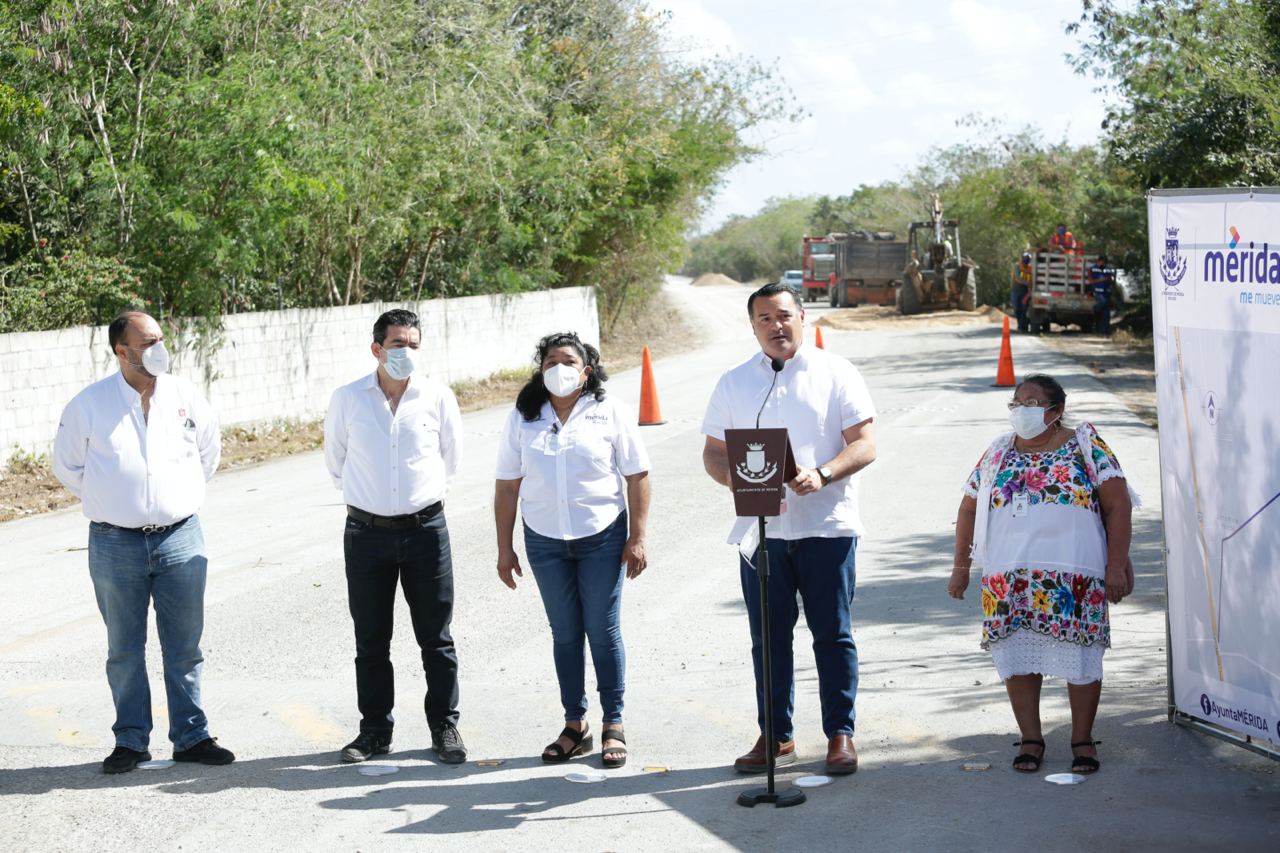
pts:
[1042, 547]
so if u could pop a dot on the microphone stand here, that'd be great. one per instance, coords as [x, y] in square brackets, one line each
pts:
[768, 794]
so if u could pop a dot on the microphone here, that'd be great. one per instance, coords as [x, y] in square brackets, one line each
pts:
[776, 364]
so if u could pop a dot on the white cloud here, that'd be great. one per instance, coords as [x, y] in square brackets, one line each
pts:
[822, 77]
[696, 29]
[1000, 27]
[884, 81]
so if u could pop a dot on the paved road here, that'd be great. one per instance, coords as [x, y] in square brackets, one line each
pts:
[280, 691]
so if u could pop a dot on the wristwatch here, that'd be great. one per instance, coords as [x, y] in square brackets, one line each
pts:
[825, 473]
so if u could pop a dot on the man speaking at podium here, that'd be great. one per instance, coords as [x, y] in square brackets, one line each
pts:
[823, 403]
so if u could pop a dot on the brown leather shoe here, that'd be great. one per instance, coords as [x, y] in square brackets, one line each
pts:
[842, 758]
[755, 760]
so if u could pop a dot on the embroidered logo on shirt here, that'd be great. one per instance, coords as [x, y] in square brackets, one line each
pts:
[598, 419]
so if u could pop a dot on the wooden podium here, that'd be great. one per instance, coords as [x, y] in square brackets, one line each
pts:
[760, 466]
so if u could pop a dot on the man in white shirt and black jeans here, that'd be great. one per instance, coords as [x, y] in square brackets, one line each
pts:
[392, 441]
[137, 449]
[823, 402]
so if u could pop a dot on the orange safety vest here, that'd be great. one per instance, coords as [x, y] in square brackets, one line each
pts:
[1067, 242]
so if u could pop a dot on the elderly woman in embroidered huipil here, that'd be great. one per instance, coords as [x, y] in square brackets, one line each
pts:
[1047, 517]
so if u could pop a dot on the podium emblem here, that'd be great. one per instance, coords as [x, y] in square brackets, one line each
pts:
[755, 468]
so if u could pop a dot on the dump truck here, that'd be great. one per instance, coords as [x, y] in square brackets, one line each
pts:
[818, 263]
[1060, 291]
[853, 268]
[937, 275]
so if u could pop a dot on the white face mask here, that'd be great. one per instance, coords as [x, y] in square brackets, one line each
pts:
[561, 379]
[400, 363]
[1028, 421]
[155, 359]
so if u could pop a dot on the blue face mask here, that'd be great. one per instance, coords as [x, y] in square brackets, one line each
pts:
[400, 363]
[1028, 421]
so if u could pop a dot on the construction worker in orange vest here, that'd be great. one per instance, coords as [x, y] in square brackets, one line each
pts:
[1063, 241]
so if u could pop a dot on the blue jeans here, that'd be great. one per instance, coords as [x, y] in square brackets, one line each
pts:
[1102, 315]
[822, 571]
[130, 570]
[1017, 296]
[581, 585]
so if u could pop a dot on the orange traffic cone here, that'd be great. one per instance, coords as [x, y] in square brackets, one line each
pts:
[1004, 373]
[817, 337]
[650, 411]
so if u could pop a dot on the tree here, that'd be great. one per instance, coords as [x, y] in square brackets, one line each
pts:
[240, 155]
[757, 247]
[1196, 86]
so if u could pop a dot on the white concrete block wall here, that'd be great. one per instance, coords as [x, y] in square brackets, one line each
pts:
[285, 364]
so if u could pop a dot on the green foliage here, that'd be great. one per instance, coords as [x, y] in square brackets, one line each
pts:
[26, 462]
[73, 289]
[887, 207]
[755, 247]
[1195, 102]
[1009, 189]
[242, 154]
[1196, 86]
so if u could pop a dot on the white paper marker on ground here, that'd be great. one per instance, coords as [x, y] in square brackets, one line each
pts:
[377, 770]
[813, 781]
[1064, 778]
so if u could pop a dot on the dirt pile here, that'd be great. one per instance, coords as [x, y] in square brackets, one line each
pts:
[710, 278]
[876, 316]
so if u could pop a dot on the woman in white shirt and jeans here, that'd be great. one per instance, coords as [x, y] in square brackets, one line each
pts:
[573, 460]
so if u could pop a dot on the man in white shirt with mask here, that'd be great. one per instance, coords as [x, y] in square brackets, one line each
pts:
[392, 441]
[137, 448]
[823, 402]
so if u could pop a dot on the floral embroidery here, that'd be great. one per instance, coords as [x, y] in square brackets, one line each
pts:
[1055, 477]
[1063, 605]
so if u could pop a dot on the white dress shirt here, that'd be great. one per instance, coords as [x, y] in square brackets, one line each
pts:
[132, 471]
[817, 396]
[572, 474]
[392, 463]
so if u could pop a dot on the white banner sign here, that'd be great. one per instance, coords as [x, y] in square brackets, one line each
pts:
[1215, 292]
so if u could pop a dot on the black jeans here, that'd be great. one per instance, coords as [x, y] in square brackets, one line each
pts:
[419, 559]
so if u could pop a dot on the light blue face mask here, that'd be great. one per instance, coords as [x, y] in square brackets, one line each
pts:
[400, 363]
[1028, 421]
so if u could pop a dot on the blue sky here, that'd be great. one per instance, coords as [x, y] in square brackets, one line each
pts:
[885, 80]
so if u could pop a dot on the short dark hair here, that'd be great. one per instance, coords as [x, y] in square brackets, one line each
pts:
[1051, 387]
[119, 327]
[394, 317]
[772, 289]
[534, 393]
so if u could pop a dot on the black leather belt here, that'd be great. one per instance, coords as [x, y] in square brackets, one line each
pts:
[149, 528]
[395, 522]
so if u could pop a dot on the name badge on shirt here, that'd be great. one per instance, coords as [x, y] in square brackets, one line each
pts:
[1021, 501]
[552, 445]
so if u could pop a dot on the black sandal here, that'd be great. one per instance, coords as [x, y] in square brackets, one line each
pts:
[1028, 758]
[613, 763]
[1085, 764]
[556, 754]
